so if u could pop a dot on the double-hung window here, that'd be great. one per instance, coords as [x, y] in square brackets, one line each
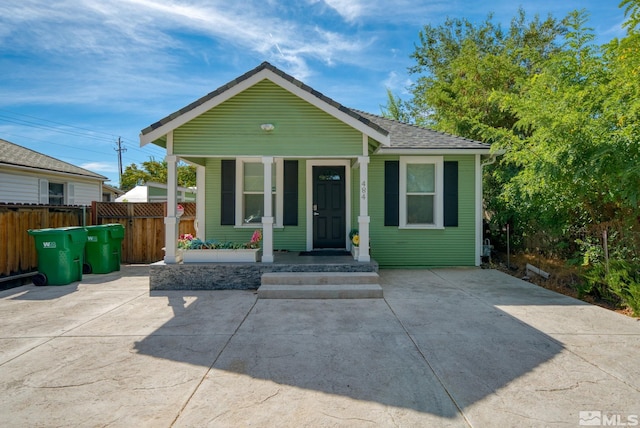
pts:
[421, 192]
[56, 193]
[250, 198]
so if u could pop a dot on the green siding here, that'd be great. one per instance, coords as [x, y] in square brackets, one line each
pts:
[390, 246]
[233, 128]
[292, 238]
[452, 246]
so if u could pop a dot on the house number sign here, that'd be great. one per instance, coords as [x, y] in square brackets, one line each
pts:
[363, 190]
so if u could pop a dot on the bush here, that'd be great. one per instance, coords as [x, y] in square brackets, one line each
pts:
[619, 278]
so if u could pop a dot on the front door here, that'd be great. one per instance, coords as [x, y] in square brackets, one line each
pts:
[329, 214]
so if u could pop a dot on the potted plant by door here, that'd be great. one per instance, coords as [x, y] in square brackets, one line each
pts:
[354, 237]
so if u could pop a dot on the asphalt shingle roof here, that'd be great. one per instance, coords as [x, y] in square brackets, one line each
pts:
[402, 135]
[406, 136]
[13, 154]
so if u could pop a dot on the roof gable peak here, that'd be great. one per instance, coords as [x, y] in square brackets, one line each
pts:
[264, 71]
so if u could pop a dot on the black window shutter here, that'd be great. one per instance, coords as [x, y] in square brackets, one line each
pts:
[451, 194]
[392, 193]
[228, 192]
[290, 196]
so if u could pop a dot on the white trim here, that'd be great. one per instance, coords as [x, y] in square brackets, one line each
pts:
[264, 74]
[200, 223]
[309, 195]
[279, 163]
[43, 171]
[438, 202]
[171, 221]
[169, 147]
[430, 152]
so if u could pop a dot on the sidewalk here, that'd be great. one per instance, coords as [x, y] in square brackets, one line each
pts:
[446, 347]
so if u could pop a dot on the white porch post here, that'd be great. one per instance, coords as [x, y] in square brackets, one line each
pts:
[267, 219]
[171, 221]
[200, 201]
[363, 218]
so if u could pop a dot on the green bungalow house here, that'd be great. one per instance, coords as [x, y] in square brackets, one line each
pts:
[413, 194]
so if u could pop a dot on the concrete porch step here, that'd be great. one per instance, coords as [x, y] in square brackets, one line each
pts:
[319, 278]
[320, 285]
[320, 291]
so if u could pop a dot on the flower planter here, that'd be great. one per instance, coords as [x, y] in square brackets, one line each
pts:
[221, 256]
[355, 251]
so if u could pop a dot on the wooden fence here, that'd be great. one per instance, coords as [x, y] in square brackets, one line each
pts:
[144, 226]
[17, 248]
[143, 222]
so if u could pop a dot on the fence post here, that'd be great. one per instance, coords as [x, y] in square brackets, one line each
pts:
[605, 244]
[94, 212]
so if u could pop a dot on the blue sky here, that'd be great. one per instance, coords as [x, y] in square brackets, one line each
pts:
[77, 74]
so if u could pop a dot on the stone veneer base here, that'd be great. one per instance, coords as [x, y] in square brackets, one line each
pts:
[235, 276]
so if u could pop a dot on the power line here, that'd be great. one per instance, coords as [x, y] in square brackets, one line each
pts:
[90, 133]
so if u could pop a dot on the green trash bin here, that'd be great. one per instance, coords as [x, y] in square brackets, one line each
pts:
[103, 249]
[60, 254]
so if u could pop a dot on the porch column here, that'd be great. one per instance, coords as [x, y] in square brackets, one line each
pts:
[200, 201]
[363, 218]
[171, 221]
[267, 219]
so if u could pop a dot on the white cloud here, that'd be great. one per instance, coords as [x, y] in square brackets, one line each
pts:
[348, 9]
[100, 166]
[398, 84]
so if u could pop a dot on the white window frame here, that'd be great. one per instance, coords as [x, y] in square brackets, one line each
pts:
[279, 165]
[64, 192]
[438, 202]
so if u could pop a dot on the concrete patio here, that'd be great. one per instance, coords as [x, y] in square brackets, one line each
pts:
[445, 347]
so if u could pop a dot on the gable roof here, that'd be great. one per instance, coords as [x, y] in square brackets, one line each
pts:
[280, 78]
[17, 156]
[394, 136]
[407, 137]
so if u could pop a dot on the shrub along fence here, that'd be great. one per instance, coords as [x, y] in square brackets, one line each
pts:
[143, 222]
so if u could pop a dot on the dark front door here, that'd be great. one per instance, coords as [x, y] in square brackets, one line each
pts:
[329, 207]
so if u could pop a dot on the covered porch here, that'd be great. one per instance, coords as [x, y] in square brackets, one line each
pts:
[326, 180]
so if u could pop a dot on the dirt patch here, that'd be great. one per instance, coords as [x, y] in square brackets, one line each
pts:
[563, 278]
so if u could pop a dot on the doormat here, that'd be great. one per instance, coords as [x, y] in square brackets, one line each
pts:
[325, 253]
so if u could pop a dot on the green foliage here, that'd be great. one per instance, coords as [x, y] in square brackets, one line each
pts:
[632, 12]
[617, 278]
[396, 108]
[154, 170]
[566, 111]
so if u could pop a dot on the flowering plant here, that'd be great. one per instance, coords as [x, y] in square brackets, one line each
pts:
[188, 242]
[354, 236]
[255, 239]
[184, 241]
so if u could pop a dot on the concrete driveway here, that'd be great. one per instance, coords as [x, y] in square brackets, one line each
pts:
[446, 347]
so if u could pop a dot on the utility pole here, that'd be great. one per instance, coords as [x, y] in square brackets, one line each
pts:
[120, 149]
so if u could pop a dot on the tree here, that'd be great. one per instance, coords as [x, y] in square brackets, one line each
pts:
[154, 170]
[396, 108]
[460, 65]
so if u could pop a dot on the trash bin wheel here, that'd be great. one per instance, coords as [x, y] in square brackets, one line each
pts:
[39, 279]
[86, 268]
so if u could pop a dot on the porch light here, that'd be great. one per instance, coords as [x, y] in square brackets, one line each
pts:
[267, 127]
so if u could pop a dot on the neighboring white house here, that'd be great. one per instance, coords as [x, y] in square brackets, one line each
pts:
[152, 191]
[110, 193]
[29, 177]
